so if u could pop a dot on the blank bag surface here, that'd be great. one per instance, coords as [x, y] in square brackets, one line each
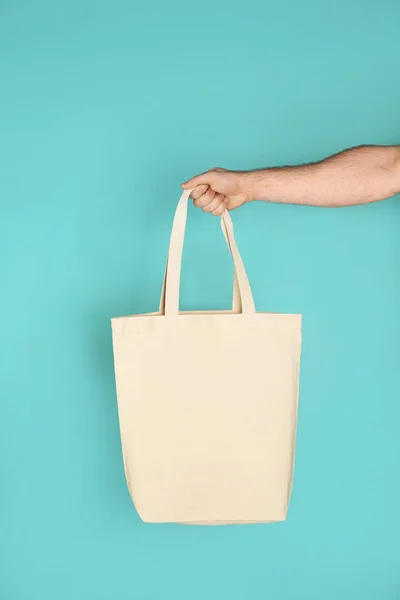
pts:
[207, 403]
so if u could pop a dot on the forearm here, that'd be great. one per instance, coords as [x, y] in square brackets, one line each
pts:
[356, 176]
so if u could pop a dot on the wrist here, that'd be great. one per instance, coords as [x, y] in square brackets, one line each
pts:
[255, 184]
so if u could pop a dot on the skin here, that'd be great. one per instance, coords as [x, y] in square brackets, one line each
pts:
[355, 176]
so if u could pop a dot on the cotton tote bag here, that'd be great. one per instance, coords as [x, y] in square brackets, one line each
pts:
[207, 403]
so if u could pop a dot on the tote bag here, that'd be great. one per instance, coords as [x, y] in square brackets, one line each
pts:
[207, 403]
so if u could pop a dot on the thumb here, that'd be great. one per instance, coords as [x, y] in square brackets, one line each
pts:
[204, 178]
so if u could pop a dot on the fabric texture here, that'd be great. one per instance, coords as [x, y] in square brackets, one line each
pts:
[207, 403]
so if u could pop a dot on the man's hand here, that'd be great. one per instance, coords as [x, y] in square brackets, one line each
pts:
[218, 190]
[354, 176]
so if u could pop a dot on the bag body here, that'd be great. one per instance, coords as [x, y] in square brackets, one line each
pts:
[207, 403]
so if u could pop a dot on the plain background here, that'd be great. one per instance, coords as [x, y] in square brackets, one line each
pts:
[105, 108]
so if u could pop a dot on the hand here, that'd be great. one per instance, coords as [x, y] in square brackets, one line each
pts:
[218, 190]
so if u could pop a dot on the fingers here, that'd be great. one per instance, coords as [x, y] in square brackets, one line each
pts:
[215, 204]
[206, 178]
[209, 201]
[203, 198]
[220, 209]
[198, 192]
[202, 179]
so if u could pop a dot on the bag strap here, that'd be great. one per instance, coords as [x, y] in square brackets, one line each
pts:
[236, 300]
[169, 304]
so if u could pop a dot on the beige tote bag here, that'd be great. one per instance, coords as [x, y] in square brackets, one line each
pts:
[207, 403]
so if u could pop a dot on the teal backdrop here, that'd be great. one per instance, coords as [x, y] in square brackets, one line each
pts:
[105, 108]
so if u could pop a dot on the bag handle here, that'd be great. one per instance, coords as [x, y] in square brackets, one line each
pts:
[173, 268]
[236, 300]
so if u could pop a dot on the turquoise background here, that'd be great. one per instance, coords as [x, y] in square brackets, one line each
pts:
[105, 108]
